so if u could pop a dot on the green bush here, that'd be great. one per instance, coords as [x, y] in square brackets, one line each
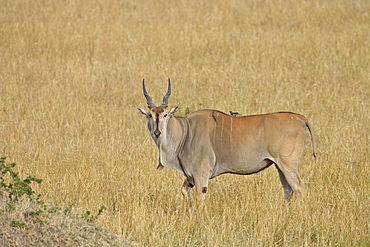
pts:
[17, 187]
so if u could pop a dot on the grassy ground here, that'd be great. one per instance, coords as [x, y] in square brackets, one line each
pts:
[31, 223]
[71, 75]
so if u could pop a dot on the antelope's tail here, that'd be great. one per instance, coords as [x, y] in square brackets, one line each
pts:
[312, 140]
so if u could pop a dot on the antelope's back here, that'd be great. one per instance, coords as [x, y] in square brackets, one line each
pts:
[236, 141]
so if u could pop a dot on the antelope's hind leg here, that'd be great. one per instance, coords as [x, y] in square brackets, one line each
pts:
[291, 182]
[286, 187]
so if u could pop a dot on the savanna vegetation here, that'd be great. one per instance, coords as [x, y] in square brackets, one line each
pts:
[70, 79]
[26, 220]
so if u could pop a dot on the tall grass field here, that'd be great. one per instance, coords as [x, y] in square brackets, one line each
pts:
[70, 78]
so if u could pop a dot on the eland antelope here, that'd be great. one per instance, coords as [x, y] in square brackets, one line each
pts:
[208, 143]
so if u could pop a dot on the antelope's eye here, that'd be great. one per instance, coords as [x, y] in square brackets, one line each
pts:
[165, 115]
[149, 115]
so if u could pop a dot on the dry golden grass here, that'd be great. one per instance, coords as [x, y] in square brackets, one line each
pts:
[30, 223]
[70, 78]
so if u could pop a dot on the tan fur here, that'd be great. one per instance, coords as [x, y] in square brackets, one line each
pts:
[157, 109]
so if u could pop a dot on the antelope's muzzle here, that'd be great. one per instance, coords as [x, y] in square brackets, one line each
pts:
[157, 133]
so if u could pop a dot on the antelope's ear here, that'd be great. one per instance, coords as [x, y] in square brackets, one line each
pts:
[173, 110]
[142, 111]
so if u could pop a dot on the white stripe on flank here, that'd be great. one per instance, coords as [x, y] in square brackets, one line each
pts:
[231, 131]
[222, 129]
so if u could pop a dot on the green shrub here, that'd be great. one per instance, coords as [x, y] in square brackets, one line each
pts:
[17, 187]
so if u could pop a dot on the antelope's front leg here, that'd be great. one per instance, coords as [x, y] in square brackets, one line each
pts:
[185, 190]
